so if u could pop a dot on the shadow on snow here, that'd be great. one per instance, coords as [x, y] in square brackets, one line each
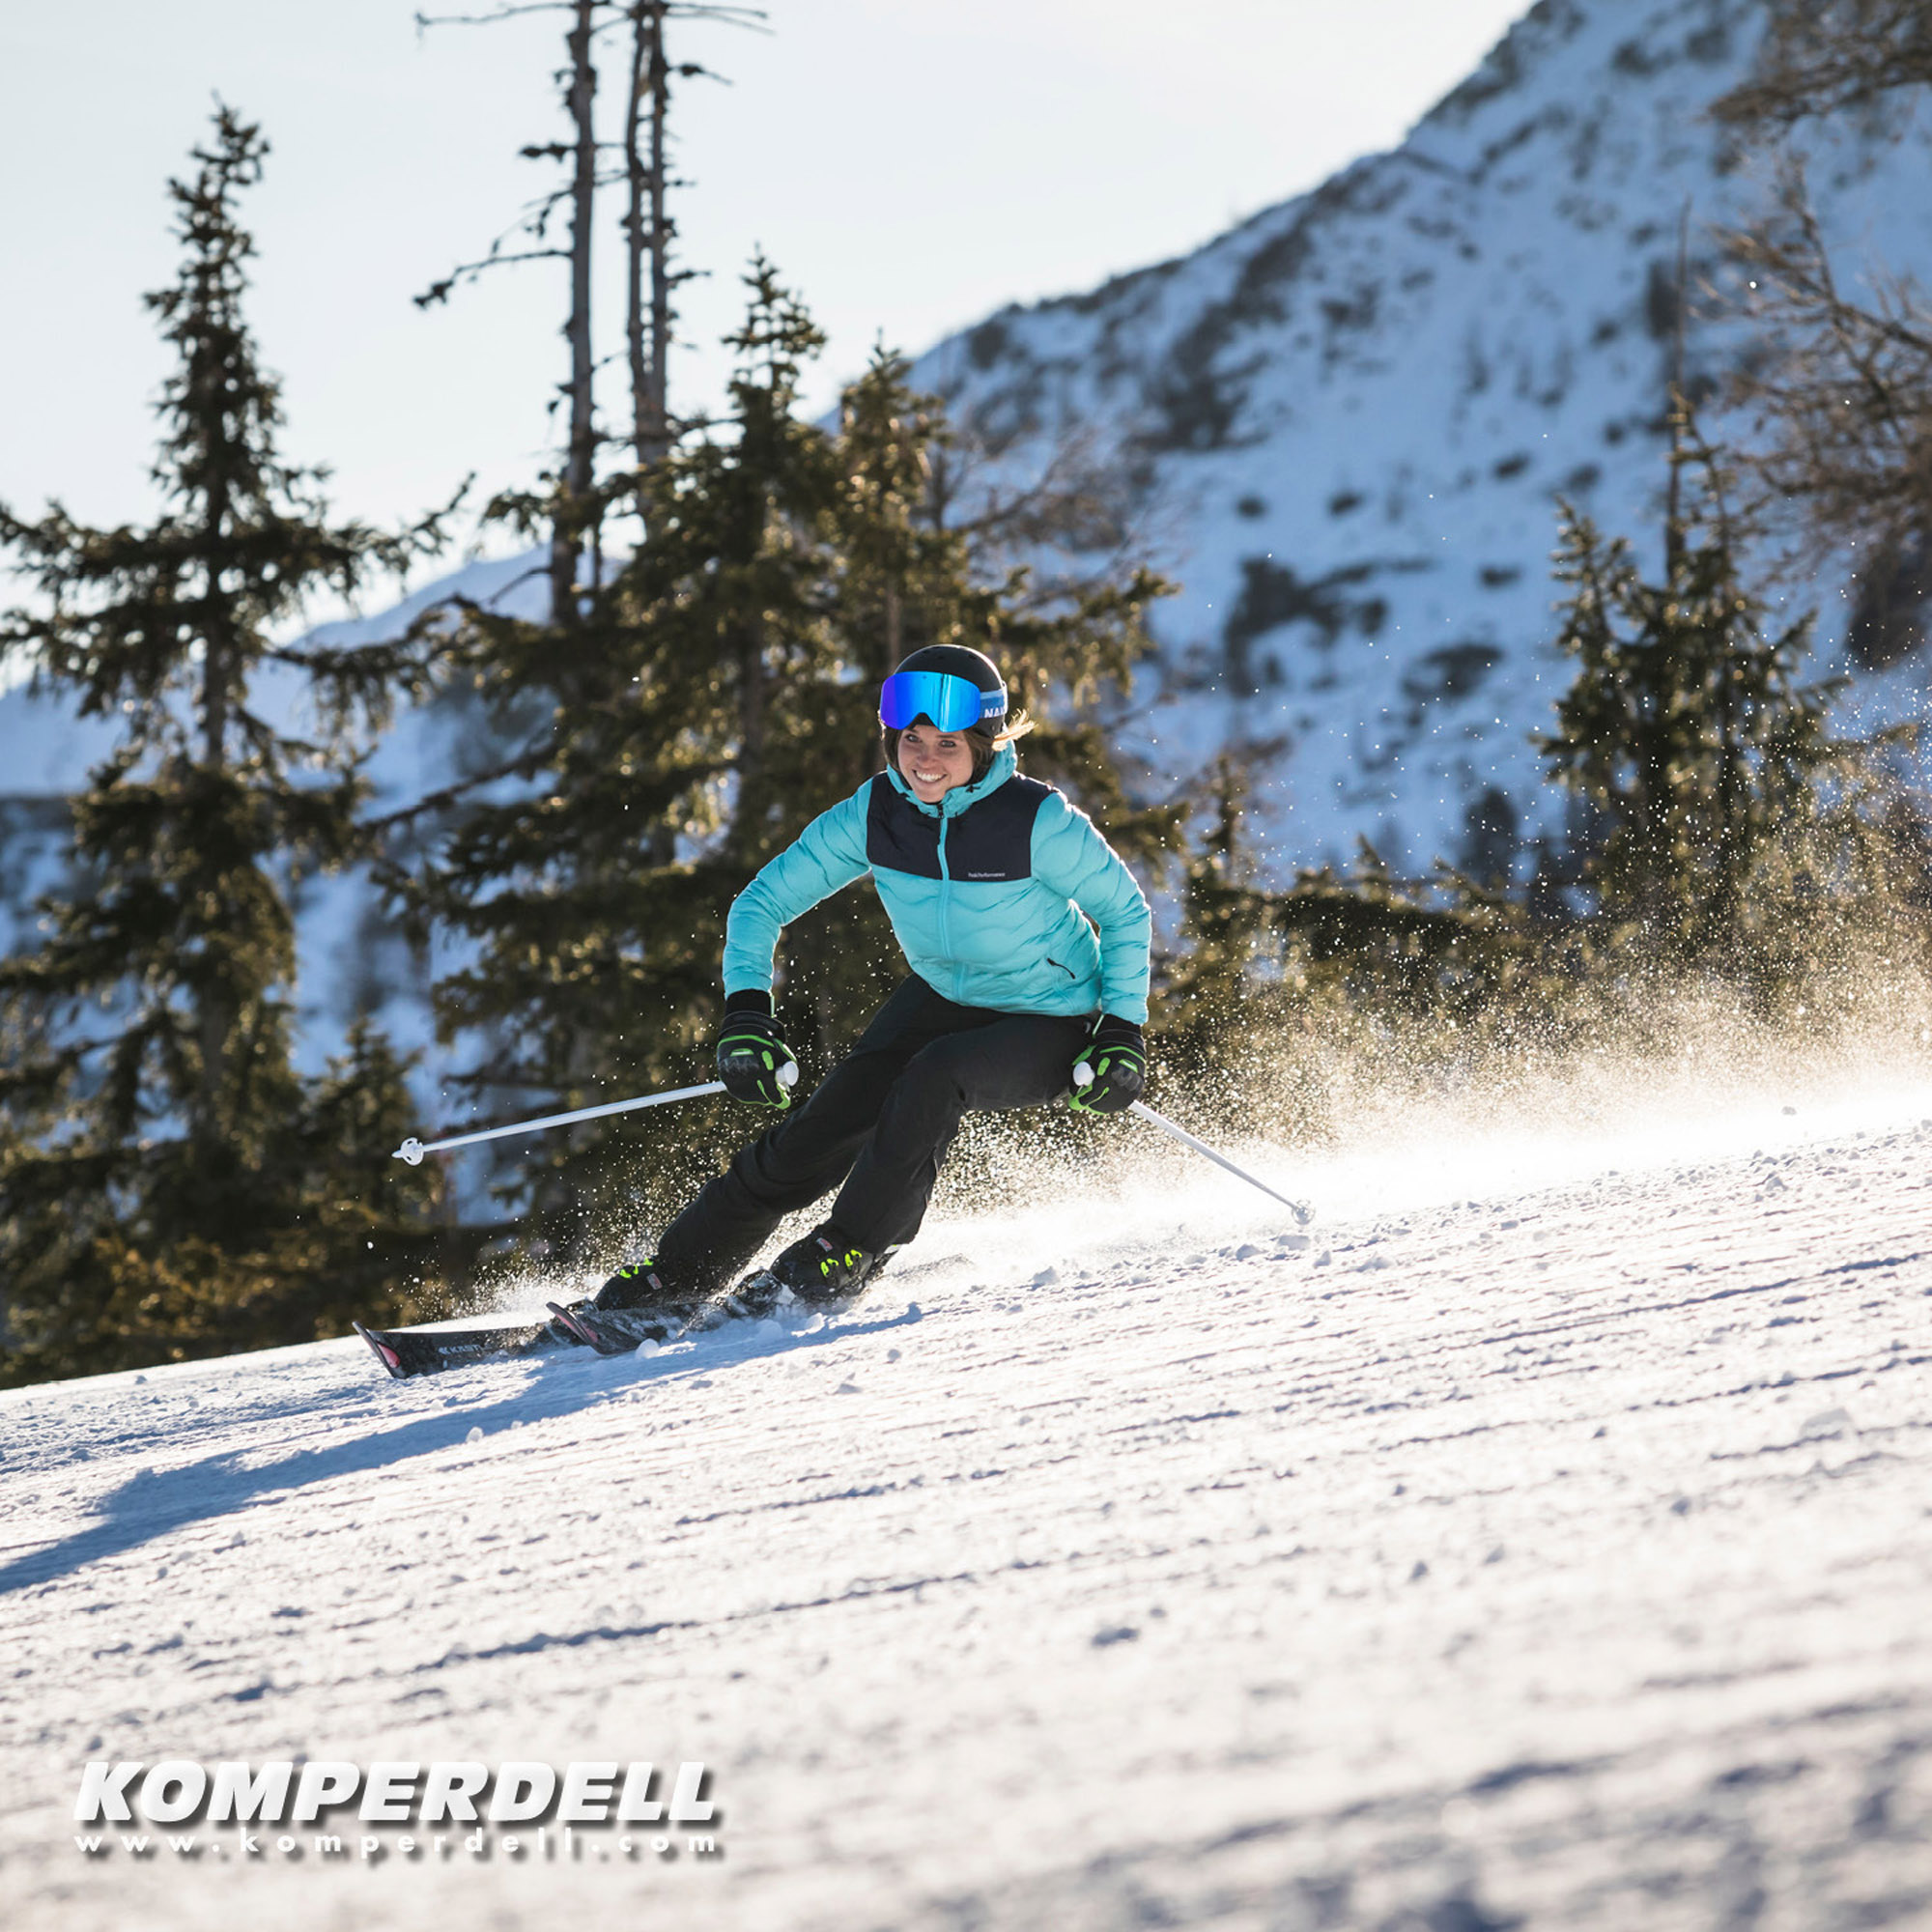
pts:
[149, 1505]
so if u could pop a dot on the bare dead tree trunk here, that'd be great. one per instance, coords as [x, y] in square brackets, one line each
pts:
[648, 233]
[660, 232]
[642, 34]
[581, 453]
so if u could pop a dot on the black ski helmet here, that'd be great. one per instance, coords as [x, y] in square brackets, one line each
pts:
[958, 661]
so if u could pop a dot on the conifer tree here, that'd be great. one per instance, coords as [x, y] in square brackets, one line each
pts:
[1212, 1005]
[1721, 803]
[905, 577]
[170, 1185]
[721, 692]
[912, 575]
[593, 905]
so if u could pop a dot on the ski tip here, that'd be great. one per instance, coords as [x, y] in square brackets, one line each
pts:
[571, 1326]
[385, 1354]
[592, 1334]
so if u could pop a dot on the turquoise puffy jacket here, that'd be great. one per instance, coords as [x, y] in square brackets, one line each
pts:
[986, 892]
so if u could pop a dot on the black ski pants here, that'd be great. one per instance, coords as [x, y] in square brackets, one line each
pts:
[880, 1122]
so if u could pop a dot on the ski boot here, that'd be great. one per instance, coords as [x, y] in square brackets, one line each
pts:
[643, 1301]
[654, 1284]
[823, 1271]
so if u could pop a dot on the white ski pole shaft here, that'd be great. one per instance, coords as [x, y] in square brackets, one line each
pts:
[1301, 1211]
[413, 1149]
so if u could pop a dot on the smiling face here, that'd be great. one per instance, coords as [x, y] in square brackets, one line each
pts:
[933, 762]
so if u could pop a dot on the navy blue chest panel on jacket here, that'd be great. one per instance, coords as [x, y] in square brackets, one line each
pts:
[991, 839]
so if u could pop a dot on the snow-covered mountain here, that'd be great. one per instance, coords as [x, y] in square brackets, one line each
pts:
[1345, 424]
[1542, 1543]
[1351, 416]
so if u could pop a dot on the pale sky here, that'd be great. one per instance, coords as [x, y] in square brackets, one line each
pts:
[910, 165]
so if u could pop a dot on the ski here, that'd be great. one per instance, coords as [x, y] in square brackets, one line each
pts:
[616, 1331]
[762, 1294]
[427, 1351]
[404, 1353]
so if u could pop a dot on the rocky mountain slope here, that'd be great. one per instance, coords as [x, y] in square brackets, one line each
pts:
[1350, 417]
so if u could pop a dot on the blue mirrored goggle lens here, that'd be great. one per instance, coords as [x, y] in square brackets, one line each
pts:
[951, 703]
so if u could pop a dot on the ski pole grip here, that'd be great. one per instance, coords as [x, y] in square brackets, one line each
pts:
[787, 1075]
[1083, 1074]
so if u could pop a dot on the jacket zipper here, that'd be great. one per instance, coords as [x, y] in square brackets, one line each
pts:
[945, 901]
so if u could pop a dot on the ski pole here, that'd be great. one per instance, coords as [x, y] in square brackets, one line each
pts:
[1302, 1212]
[413, 1149]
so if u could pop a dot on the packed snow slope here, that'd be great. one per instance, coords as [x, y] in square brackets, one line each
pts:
[1544, 1540]
[1350, 418]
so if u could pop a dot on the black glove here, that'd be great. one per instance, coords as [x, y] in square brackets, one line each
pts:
[753, 1062]
[1113, 1062]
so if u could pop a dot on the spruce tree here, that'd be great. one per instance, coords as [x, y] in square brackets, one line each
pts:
[911, 574]
[1217, 1011]
[1721, 810]
[169, 1186]
[903, 576]
[589, 906]
[718, 692]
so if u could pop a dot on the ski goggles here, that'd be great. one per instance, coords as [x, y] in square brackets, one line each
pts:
[951, 703]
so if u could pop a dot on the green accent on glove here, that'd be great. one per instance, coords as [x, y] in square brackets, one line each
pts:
[752, 1052]
[1115, 1060]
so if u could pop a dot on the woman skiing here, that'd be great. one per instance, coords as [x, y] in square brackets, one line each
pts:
[990, 881]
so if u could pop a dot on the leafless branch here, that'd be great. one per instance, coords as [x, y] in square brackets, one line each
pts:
[424, 22]
[1823, 57]
[1840, 393]
[440, 291]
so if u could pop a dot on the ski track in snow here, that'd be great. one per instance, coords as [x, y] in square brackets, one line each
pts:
[1544, 1541]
